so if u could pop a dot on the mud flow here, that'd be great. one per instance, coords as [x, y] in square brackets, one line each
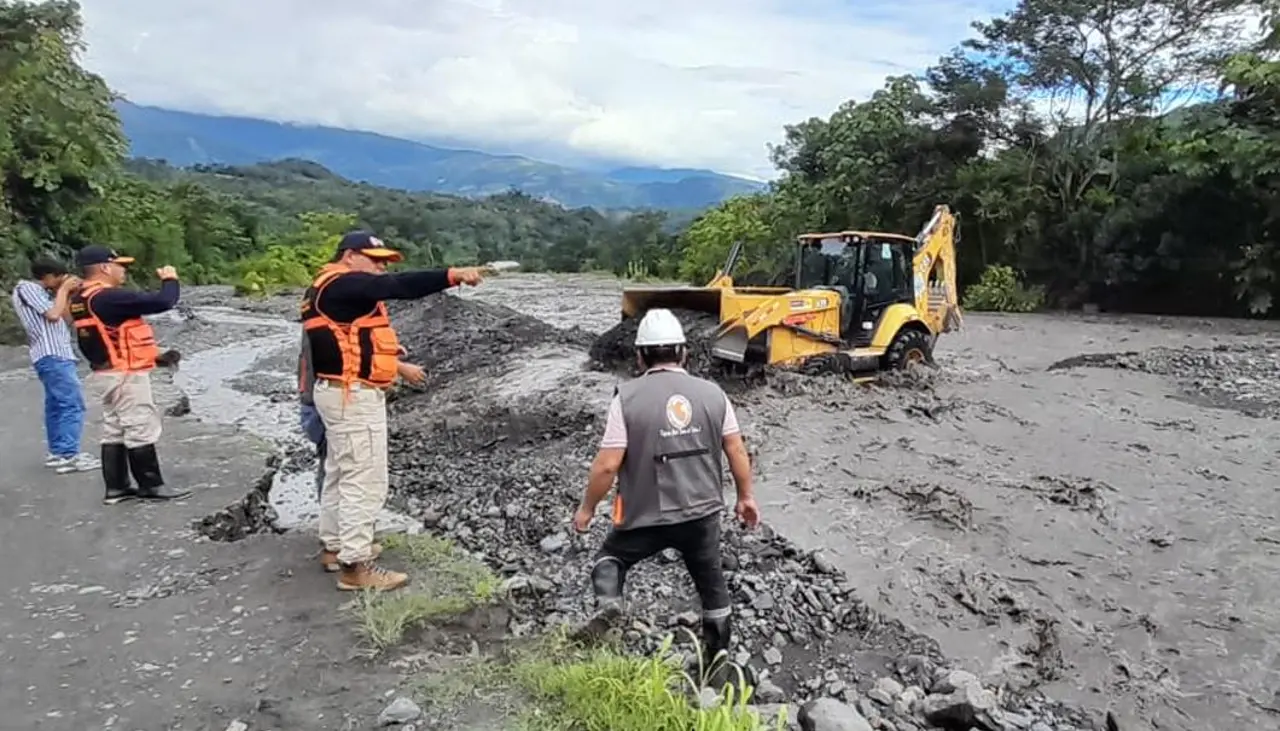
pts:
[1076, 509]
[1082, 507]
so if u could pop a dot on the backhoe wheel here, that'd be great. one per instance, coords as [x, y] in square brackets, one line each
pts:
[828, 363]
[910, 347]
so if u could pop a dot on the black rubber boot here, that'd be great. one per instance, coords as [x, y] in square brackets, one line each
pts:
[115, 473]
[607, 581]
[717, 668]
[145, 465]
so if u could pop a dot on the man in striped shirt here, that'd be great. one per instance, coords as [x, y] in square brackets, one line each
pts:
[41, 304]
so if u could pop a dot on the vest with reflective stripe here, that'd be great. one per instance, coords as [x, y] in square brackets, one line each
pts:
[367, 348]
[129, 347]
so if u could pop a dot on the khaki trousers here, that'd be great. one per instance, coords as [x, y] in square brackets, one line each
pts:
[129, 413]
[355, 467]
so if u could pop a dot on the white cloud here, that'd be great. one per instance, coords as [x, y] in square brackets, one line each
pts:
[670, 82]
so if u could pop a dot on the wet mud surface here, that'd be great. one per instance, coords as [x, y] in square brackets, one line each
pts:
[1082, 507]
[1102, 530]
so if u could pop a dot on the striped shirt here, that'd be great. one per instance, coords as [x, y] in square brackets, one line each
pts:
[31, 300]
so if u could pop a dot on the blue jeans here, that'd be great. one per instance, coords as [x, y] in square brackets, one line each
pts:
[63, 405]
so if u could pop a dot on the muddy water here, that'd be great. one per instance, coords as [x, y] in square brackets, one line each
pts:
[1091, 532]
[226, 349]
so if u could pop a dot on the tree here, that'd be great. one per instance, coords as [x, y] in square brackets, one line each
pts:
[748, 219]
[60, 139]
[1096, 67]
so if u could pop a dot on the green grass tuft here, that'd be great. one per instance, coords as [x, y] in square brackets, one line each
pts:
[445, 582]
[603, 689]
[554, 685]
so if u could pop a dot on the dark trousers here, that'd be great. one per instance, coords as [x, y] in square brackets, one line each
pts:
[322, 451]
[698, 542]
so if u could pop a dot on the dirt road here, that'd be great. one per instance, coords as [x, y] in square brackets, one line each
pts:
[126, 618]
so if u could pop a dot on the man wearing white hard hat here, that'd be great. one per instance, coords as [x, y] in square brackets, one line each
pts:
[665, 442]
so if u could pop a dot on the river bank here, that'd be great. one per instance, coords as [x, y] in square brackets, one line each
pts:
[1025, 507]
[1073, 507]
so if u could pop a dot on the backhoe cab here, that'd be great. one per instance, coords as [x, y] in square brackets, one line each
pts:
[863, 302]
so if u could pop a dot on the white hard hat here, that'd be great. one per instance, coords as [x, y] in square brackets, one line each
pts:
[659, 327]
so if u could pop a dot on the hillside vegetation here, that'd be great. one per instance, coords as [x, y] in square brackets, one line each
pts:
[1113, 204]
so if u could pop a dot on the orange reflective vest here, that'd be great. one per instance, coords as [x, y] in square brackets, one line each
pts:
[367, 348]
[129, 347]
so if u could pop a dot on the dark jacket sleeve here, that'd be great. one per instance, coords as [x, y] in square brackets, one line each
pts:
[115, 305]
[395, 286]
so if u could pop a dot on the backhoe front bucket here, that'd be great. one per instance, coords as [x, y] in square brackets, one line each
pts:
[730, 342]
[636, 300]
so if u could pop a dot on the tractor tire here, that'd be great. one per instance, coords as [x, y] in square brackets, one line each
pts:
[838, 364]
[909, 347]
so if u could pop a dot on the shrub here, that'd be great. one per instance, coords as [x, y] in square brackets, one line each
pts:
[1001, 290]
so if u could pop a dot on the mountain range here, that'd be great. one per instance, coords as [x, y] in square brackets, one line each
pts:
[187, 138]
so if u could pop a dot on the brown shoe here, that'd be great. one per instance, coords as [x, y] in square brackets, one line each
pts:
[369, 575]
[329, 559]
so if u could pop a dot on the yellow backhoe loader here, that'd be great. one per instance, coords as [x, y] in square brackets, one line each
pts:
[863, 302]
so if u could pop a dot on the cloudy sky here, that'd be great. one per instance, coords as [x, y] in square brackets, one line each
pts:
[704, 83]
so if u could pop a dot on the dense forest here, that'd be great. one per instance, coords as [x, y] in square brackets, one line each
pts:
[1118, 152]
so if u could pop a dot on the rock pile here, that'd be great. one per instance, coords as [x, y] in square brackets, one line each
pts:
[1239, 377]
[499, 471]
[614, 350]
[450, 336]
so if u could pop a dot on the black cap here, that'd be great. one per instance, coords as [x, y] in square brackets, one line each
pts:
[369, 245]
[94, 254]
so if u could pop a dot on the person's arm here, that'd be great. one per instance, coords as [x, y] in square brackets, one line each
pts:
[735, 448]
[117, 305]
[608, 461]
[37, 298]
[391, 286]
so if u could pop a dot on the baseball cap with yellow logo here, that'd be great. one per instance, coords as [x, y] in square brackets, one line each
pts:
[95, 254]
[369, 245]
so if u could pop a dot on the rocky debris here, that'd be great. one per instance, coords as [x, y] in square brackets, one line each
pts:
[282, 304]
[181, 407]
[450, 336]
[614, 350]
[769, 713]
[250, 514]
[500, 475]
[1245, 378]
[828, 714]
[401, 711]
[961, 703]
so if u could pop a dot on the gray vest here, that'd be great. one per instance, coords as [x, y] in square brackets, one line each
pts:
[673, 468]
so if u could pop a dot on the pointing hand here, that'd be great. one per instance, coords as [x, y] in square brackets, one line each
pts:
[468, 275]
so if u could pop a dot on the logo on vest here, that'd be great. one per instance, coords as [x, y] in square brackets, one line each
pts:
[679, 417]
